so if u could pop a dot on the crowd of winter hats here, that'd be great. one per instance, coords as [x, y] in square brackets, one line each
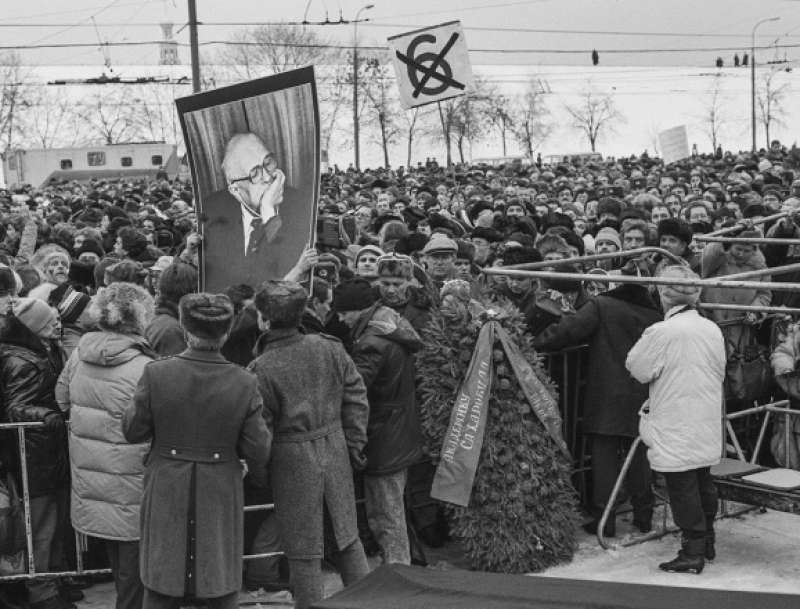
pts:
[127, 231]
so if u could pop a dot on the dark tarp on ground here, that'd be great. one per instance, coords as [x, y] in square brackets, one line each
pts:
[401, 587]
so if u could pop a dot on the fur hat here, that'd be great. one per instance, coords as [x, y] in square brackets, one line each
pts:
[489, 234]
[122, 307]
[675, 227]
[466, 251]
[353, 295]
[475, 210]
[674, 295]
[393, 265]
[281, 303]
[521, 255]
[206, 315]
[552, 243]
[609, 205]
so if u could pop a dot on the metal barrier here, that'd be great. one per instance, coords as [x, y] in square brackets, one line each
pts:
[567, 369]
[31, 572]
[778, 407]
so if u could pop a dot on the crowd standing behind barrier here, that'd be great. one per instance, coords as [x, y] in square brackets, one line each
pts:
[583, 230]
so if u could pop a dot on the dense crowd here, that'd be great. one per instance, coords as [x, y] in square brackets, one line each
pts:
[97, 281]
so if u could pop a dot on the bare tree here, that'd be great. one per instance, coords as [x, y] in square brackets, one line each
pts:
[112, 117]
[770, 98]
[500, 115]
[50, 121]
[594, 115]
[532, 126]
[14, 97]
[380, 92]
[334, 93]
[416, 124]
[714, 117]
[464, 118]
[271, 49]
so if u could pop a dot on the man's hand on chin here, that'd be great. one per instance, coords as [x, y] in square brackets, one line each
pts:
[273, 196]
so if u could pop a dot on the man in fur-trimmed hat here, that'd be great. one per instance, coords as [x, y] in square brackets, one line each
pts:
[203, 414]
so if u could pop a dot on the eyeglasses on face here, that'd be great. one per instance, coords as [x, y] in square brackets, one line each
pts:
[265, 172]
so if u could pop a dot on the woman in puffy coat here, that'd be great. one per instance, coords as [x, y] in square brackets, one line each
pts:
[96, 386]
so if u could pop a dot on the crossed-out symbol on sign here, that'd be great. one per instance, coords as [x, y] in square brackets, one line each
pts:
[416, 63]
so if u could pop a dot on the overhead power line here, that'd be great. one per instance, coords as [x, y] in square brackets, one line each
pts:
[67, 45]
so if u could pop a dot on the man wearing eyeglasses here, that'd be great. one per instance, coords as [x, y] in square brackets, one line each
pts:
[257, 228]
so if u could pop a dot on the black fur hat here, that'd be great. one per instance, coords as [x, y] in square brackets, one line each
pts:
[206, 315]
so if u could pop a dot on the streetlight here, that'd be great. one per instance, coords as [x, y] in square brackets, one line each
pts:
[753, 76]
[355, 82]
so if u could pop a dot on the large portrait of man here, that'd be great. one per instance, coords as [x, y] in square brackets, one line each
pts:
[254, 153]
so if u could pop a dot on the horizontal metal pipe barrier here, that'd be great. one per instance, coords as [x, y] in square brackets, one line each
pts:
[703, 283]
[748, 308]
[748, 240]
[531, 266]
[765, 272]
[739, 225]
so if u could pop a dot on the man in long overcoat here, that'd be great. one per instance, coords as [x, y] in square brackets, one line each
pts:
[316, 406]
[204, 414]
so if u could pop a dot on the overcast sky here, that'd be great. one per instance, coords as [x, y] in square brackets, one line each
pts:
[635, 26]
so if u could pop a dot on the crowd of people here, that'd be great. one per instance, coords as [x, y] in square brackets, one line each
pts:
[105, 341]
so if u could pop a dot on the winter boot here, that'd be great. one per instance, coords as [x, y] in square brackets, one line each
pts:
[683, 563]
[690, 557]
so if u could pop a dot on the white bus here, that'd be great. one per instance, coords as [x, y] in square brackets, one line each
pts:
[39, 166]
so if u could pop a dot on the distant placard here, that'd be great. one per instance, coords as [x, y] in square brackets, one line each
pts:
[674, 144]
[431, 64]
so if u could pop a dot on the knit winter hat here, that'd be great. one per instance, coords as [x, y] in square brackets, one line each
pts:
[35, 314]
[69, 302]
[608, 234]
[206, 315]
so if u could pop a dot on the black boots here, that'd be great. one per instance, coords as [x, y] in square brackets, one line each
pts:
[690, 557]
[684, 563]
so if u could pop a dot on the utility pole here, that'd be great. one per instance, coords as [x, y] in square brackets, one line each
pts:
[355, 85]
[753, 77]
[195, 52]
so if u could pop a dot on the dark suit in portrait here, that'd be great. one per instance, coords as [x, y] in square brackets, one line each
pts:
[274, 248]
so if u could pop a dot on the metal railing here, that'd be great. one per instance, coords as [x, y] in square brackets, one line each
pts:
[30, 563]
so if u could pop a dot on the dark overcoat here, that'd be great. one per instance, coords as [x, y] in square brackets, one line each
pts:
[204, 414]
[610, 323]
[316, 406]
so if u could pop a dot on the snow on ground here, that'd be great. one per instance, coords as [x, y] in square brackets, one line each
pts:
[755, 552]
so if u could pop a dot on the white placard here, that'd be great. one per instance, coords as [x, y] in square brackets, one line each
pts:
[674, 144]
[431, 64]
